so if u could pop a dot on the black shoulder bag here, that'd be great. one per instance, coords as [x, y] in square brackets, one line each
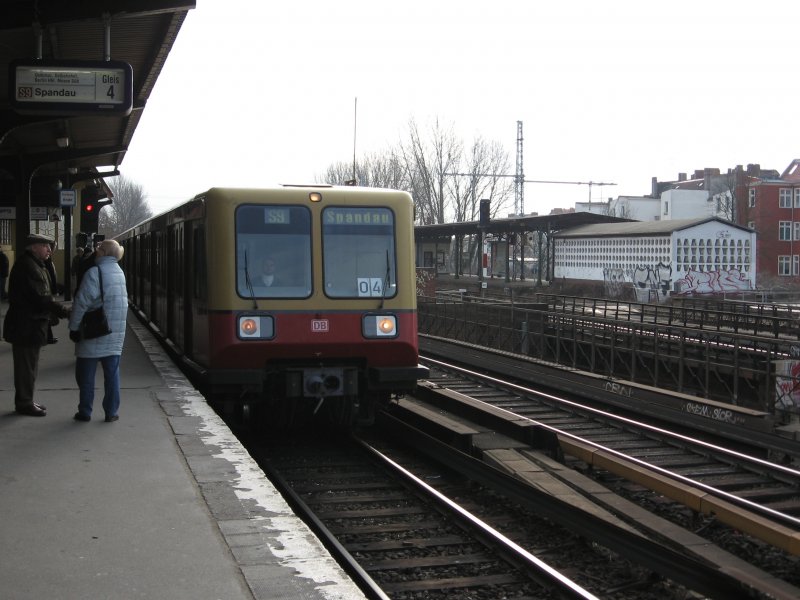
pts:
[94, 323]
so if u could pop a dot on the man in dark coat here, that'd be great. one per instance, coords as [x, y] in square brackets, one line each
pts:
[51, 271]
[31, 307]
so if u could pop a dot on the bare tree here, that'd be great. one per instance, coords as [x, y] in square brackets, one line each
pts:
[724, 195]
[485, 175]
[375, 170]
[622, 209]
[387, 171]
[128, 208]
[428, 165]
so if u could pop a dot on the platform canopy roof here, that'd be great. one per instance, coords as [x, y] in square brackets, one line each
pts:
[138, 32]
[525, 224]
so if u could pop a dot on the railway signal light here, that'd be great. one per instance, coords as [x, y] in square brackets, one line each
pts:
[484, 212]
[90, 216]
[91, 205]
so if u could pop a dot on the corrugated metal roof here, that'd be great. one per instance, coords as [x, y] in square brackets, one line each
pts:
[639, 228]
[545, 223]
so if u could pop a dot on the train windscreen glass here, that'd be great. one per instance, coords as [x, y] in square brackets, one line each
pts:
[358, 252]
[273, 251]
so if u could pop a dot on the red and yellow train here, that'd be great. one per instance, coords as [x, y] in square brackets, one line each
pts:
[287, 300]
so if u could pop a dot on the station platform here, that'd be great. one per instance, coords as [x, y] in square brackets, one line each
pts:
[164, 503]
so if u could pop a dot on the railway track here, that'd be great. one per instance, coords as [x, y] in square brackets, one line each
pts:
[768, 489]
[407, 527]
[726, 492]
[747, 428]
[399, 536]
[404, 544]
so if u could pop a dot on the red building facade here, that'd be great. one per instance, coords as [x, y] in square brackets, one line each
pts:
[771, 206]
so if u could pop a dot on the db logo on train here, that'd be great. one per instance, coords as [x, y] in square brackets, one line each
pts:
[319, 325]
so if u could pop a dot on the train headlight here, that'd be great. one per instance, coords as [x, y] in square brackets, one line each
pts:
[379, 326]
[256, 327]
[249, 326]
[386, 325]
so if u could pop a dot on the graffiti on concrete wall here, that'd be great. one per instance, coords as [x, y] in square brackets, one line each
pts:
[787, 383]
[709, 282]
[614, 282]
[649, 282]
[652, 282]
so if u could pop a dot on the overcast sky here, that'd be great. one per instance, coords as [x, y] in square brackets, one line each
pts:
[257, 93]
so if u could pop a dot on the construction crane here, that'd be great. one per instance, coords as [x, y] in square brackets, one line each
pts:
[519, 207]
[519, 178]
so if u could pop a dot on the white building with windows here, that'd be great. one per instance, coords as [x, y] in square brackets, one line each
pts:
[640, 208]
[687, 204]
[658, 258]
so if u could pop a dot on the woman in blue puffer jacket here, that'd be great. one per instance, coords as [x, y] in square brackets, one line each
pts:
[108, 348]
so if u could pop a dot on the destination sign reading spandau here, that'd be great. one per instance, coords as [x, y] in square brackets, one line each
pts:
[70, 87]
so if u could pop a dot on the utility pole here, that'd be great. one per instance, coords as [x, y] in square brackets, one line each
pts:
[519, 200]
[519, 179]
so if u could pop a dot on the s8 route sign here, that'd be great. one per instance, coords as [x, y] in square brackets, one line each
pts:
[71, 87]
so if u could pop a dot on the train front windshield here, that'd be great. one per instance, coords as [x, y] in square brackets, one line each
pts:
[358, 252]
[273, 251]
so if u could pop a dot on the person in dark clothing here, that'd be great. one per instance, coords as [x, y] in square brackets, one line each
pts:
[86, 262]
[31, 307]
[51, 271]
[75, 265]
[3, 275]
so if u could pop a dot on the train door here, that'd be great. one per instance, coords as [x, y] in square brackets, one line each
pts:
[169, 284]
[159, 309]
[136, 269]
[147, 273]
[152, 309]
[196, 309]
[176, 285]
[129, 267]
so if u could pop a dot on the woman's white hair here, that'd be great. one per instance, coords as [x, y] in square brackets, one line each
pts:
[112, 248]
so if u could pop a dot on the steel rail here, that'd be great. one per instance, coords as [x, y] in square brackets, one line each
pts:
[509, 364]
[361, 578]
[563, 401]
[694, 573]
[782, 469]
[752, 506]
[545, 572]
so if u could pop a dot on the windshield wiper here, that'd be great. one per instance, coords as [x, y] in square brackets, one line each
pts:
[385, 281]
[249, 283]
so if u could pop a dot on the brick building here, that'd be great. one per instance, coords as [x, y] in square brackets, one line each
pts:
[771, 206]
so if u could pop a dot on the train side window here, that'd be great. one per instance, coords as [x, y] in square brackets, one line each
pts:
[278, 236]
[358, 252]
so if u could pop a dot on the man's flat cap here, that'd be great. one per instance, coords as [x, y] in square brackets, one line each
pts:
[38, 238]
